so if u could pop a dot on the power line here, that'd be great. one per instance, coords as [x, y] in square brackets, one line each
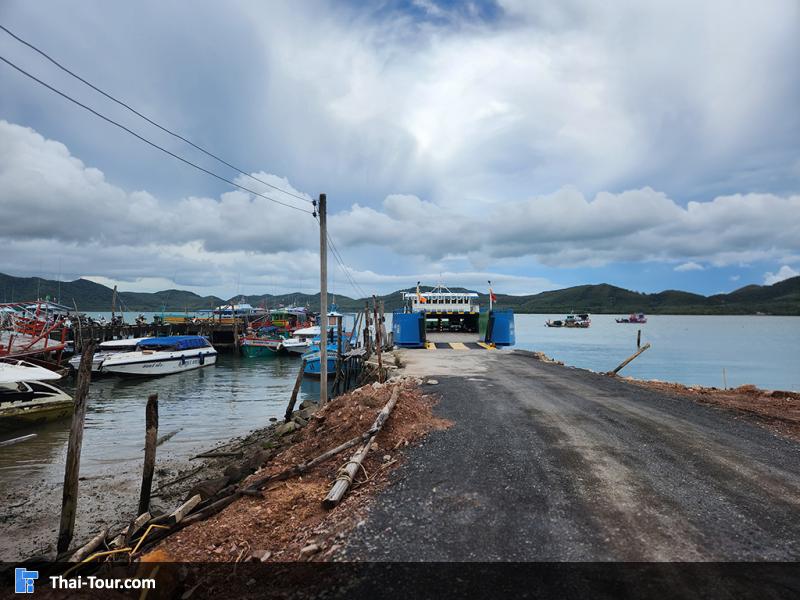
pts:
[145, 140]
[148, 119]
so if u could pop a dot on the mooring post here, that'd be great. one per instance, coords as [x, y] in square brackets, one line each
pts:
[724, 379]
[630, 358]
[295, 390]
[150, 439]
[323, 299]
[639, 339]
[69, 500]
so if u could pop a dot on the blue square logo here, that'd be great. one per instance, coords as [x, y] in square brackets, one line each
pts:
[23, 580]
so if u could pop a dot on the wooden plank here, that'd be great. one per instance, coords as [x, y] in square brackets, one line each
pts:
[458, 346]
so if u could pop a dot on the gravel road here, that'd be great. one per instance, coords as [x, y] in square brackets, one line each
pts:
[545, 462]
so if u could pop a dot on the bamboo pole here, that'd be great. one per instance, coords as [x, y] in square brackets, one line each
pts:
[151, 438]
[69, 499]
[17, 440]
[348, 472]
[295, 390]
[629, 359]
[378, 341]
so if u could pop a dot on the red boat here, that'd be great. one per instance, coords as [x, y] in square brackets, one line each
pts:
[633, 318]
[31, 329]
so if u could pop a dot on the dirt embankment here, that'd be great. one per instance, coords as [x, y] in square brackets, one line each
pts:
[287, 522]
[777, 410]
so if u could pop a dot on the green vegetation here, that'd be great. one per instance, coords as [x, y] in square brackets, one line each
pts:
[782, 298]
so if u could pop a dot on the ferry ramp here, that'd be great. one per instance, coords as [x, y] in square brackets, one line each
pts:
[545, 462]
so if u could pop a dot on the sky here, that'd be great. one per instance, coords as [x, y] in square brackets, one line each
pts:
[538, 145]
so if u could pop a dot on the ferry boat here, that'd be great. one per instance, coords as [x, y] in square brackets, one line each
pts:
[162, 356]
[25, 397]
[633, 318]
[106, 349]
[574, 321]
[445, 310]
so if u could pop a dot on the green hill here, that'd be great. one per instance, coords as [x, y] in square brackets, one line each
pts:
[782, 298]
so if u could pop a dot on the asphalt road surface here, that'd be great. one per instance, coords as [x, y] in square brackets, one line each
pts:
[548, 463]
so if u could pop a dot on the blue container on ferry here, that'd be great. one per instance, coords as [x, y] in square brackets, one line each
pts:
[408, 329]
[500, 328]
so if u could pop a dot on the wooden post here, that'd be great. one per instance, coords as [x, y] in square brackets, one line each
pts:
[378, 340]
[323, 299]
[724, 379]
[150, 442]
[293, 399]
[69, 500]
[639, 339]
[339, 373]
[367, 324]
[113, 304]
[630, 358]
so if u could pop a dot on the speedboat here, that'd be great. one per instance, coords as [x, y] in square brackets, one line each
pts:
[25, 398]
[106, 349]
[301, 340]
[162, 356]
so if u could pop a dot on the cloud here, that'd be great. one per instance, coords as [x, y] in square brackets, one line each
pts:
[238, 239]
[735, 277]
[785, 272]
[689, 266]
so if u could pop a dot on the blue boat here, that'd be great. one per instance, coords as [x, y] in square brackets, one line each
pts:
[311, 357]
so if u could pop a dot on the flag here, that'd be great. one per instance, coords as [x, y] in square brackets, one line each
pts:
[420, 298]
[492, 297]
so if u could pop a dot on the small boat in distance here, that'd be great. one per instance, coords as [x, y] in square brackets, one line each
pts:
[573, 321]
[25, 399]
[633, 318]
[106, 349]
[162, 356]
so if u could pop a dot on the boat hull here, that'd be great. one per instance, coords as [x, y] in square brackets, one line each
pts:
[34, 414]
[162, 365]
[312, 368]
[256, 351]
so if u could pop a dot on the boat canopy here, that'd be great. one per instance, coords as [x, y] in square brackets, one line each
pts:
[124, 343]
[178, 342]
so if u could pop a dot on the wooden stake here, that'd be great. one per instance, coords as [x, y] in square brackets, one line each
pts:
[630, 358]
[348, 472]
[293, 399]
[639, 339]
[150, 439]
[69, 500]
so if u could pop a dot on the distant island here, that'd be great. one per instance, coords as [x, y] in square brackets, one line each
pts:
[782, 298]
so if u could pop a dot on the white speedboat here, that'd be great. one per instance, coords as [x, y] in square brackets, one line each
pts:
[162, 356]
[25, 398]
[106, 349]
[301, 340]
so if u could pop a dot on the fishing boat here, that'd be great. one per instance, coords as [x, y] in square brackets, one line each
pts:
[573, 321]
[106, 349]
[162, 356]
[313, 361]
[268, 335]
[25, 397]
[633, 318]
[30, 330]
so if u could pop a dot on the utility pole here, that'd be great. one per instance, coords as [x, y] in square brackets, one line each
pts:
[323, 299]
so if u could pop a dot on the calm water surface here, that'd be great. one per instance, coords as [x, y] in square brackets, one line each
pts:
[238, 395]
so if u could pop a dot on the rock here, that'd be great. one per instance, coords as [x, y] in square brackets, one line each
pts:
[273, 419]
[432, 382]
[233, 473]
[306, 413]
[209, 487]
[260, 556]
[387, 457]
[377, 386]
[307, 404]
[301, 422]
[286, 428]
[309, 550]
